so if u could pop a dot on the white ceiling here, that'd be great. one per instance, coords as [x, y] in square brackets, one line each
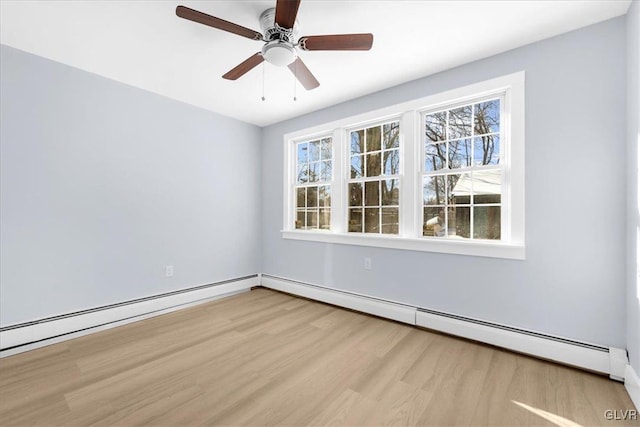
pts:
[144, 44]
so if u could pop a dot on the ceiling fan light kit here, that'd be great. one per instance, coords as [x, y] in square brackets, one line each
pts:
[279, 27]
[279, 53]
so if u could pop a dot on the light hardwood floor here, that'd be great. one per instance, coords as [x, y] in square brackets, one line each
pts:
[267, 358]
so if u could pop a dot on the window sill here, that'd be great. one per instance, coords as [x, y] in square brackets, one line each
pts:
[447, 246]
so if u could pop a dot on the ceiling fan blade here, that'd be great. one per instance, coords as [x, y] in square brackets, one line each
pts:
[337, 42]
[303, 74]
[286, 11]
[221, 24]
[244, 67]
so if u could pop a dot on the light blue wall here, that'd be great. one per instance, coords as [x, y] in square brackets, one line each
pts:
[102, 185]
[633, 162]
[572, 282]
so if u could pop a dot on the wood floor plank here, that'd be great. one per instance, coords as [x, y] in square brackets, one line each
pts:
[454, 397]
[390, 368]
[272, 359]
[337, 410]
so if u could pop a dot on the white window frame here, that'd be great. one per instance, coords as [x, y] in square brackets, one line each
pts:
[309, 184]
[347, 170]
[512, 245]
[505, 228]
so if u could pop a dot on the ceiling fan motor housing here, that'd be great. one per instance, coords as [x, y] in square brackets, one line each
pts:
[279, 49]
[273, 31]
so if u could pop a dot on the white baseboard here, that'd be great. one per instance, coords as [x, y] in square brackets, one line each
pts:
[632, 384]
[386, 309]
[583, 355]
[32, 335]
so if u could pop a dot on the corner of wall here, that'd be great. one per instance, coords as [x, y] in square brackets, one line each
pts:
[632, 384]
[633, 202]
[261, 237]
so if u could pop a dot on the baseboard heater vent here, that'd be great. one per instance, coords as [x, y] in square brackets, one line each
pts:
[366, 304]
[592, 357]
[37, 333]
[517, 330]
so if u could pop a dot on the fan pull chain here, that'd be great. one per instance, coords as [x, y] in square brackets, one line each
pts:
[263, 98]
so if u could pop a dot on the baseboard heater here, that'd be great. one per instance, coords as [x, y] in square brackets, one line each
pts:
[29, 335]
[592, 357]
[26, 336]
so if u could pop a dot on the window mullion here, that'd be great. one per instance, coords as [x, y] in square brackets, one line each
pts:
[340, 174]
[409, 171]
[505, 160]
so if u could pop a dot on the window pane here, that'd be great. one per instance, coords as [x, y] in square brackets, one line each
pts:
[392, 162]
[302, 149]
[301, 197]
[357, 142]
[357, 166]
[325, 171]
[459, 188]
[355, 220]
[487, 186]
[314, 172]
[486, 222]
[373, 138]
[324, 196]
[433, 221]
[390, 192]
[460, 122]
[312, 197]
[372, 220]
[390, 220]
[391, 135]
[303, 173]
[460, 200]
[300, 219]
[355, 194]
[312, 219]
[373, 164]
[436, 126]
[487, 117]
[485, 199]
[314, 151]
[435, 156]
[313, 164]
[325, 149]
[459, 221]
[433, 191]
[486, 150]
[459, 153]
[372, 193]
[324, 219]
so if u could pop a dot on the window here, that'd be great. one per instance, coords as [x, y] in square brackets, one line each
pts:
[374, 185]
[313, 184]
[462, 174]
[444, 173]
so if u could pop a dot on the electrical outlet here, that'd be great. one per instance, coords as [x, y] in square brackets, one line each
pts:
[367, 263]
[168, 271]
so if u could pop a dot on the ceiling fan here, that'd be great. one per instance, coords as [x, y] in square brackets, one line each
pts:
[280, 48]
